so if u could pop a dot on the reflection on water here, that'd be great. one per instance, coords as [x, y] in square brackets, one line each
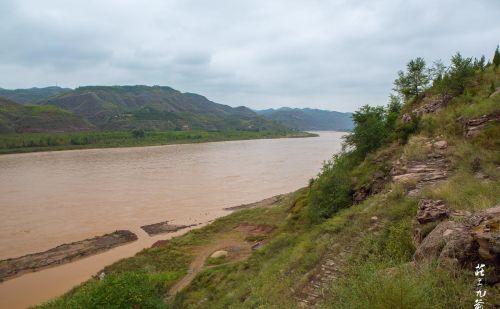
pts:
[51, 198]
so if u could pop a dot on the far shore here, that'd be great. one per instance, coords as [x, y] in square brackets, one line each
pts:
[45, 142]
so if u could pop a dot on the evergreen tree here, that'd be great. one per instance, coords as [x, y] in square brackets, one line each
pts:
[496, 58]
[460, 72]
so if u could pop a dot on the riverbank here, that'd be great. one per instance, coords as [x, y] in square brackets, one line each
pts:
[36, 142]
[169, 266]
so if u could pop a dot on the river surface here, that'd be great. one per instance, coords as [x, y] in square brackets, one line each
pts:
[51, 198]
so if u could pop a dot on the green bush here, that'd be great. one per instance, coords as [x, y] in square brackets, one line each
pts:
[331, 191]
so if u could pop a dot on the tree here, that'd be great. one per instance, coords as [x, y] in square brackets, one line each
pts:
[369, 131]
[395, 104]
[496, 58]
[392, 112]
[414, 81]
[437, 71]
[138, 133]
[460, 73]
[480, 64]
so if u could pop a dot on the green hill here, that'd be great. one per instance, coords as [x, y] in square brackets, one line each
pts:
[17, 118]
[403, 217]
[31, 95]
[156, 107]
[310, 119]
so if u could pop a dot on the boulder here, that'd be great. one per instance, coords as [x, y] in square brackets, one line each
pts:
[448, 241]
[441, 144]
[475, 238]
[220, 253]
[431, 211]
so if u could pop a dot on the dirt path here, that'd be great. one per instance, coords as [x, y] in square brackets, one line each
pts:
[238, 250]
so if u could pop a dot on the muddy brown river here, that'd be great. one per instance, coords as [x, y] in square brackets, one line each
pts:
[51, 198]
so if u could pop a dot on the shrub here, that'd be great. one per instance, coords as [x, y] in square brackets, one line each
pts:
[369, 132]
[331, 191]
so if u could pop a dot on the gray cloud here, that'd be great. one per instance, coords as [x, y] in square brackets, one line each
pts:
[329, 54]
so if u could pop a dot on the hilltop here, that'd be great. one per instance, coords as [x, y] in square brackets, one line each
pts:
[156, 107]
[310, 119]
[406, 216]
[31, 95]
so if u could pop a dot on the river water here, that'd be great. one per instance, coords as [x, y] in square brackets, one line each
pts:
[51, 198]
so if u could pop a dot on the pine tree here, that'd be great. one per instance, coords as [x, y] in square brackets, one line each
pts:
[496, 58]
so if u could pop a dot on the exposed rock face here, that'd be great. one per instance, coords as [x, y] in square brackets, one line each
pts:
[406, 117]
[440, 144]
[376, 185]
[432, 104]
[420, 173]
[487, 235]
[431, 211]
[449, 240]
[473, 127]
[475, 239]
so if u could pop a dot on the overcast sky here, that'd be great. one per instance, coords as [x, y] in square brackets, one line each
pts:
[336, 55]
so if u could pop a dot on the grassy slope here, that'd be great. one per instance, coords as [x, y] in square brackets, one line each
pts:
[31, 118]
[33, 142]
[373, 257]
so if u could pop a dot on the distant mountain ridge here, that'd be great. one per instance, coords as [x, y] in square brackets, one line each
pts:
[310, 119]
[150, 107]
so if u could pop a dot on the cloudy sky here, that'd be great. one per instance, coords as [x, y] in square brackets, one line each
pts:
[335, 55]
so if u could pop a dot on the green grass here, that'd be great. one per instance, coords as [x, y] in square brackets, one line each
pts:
[31, 142]
[372, 285]
[120, 290]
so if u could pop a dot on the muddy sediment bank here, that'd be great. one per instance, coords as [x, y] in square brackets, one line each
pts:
[268, 202]
[63, 254]
[164, 227]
